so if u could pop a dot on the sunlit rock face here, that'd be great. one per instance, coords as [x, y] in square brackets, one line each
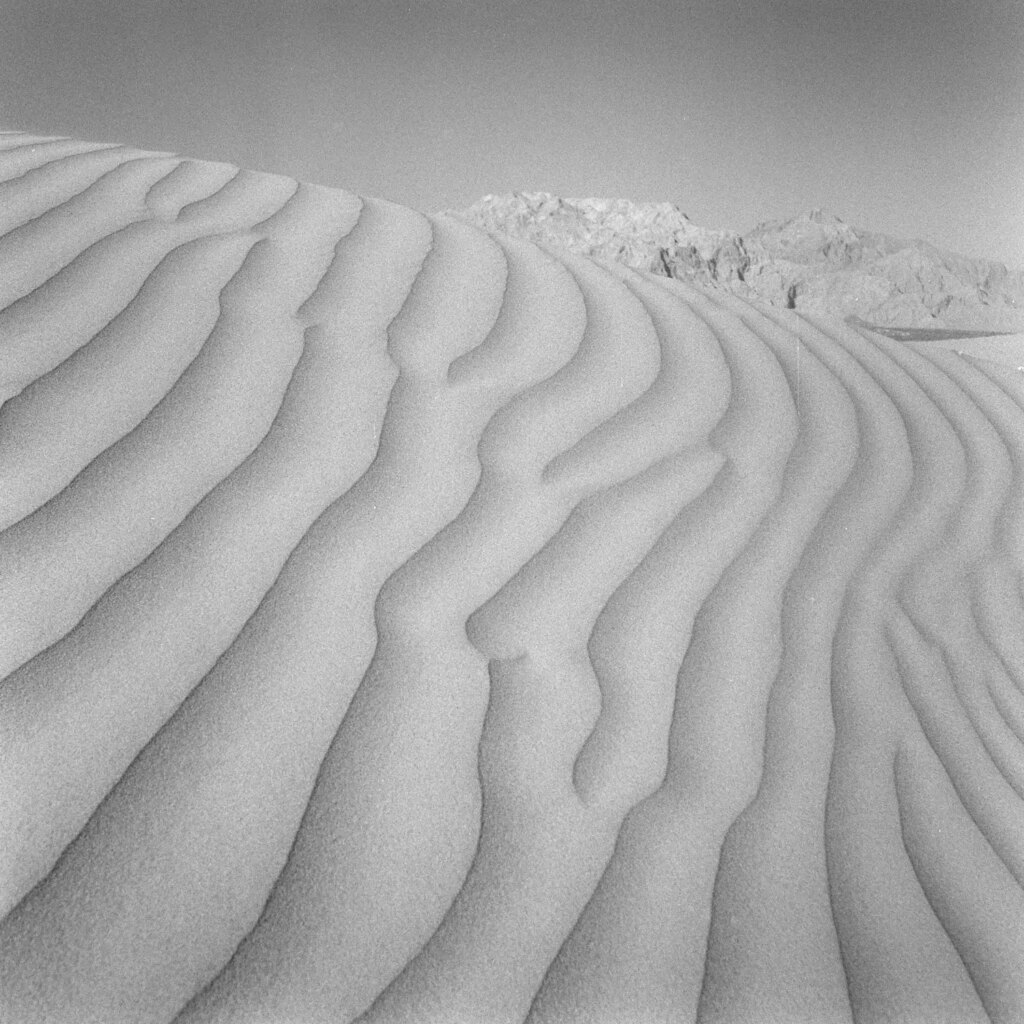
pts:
[814, 262]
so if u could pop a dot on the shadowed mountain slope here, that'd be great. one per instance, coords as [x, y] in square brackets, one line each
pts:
[405, 623]
[815, 263]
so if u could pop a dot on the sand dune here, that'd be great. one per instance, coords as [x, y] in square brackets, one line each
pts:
[404, 623]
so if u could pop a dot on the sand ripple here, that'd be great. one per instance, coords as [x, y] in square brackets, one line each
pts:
[407, 624]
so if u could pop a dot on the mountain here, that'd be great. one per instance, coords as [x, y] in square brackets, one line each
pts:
[814, 262]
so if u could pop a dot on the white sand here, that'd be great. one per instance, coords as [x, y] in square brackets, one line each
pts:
[405, 624]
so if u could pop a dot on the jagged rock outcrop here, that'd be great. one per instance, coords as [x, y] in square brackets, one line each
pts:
[814, 262]
[657, 237]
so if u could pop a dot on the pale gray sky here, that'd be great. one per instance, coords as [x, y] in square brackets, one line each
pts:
[904, 116]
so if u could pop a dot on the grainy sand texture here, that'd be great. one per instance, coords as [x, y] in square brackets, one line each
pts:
[403, 624]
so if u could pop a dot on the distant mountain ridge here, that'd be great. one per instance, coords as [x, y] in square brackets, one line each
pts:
[814, 262]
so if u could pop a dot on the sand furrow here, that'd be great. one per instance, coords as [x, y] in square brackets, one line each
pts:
[152, 247]
[45, 326]
[404, 623]
[637, 641]
[897, 957]
[819, 465]
[107, 386]
[509, 351]
[424, 473]
[941, 610]
[190, 182]
[39, 188]
[21, 160]
[270, 484]
[772, 952]
[455, 538]
[535, 629]
[988, 796]
[856, 769]
[981, 908]
[447, 966]
[1006, 697]
[36, 738]
[229, 178]
[542, 704]
[416, 603]
[206, 424]
[35, 251]
[952, 623]
[982, 759]
[41, 548]
[666, 931]
[618, 358]
[19, 140]
[1008, 394]
[16, 139]
[665, 419]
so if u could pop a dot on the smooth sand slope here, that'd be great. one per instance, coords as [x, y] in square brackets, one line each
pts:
[398, 623]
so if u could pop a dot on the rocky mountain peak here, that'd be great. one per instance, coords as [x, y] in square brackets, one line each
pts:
[821, 216]
[814, 261]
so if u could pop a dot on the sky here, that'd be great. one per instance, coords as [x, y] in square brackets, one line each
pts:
[902, 116]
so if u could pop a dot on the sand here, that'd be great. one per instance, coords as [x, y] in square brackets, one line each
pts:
[401, 623]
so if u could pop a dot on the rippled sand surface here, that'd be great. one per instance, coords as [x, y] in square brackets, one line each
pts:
[399, 623]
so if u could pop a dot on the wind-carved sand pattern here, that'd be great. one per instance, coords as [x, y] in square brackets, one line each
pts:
[405, 624]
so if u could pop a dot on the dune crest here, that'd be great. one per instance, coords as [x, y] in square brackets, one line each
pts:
[406, 623]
